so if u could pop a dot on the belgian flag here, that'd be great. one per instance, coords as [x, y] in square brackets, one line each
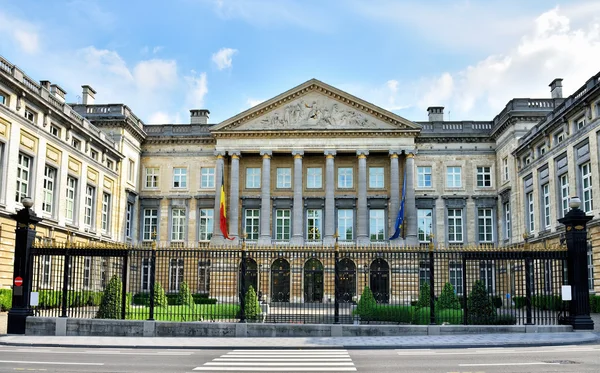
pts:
[223, 212]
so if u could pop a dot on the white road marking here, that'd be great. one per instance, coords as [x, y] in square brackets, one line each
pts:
[277, 364]
[496, 352]
[277, 369]
[46, 362]
[100, 352]
[504, 364]
[275, 359]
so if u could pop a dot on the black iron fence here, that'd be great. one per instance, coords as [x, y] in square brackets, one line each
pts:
[382, 285]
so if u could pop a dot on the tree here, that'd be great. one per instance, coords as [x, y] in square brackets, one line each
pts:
[366, 305]
[448, 299]
[251, 305]
[185, 297]
[481, 309]
[160, 299]
[110, 305]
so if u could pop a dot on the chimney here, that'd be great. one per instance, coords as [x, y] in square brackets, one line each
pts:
[45, 84]
[436, 113]
[556, 88]
[88, 95]
[199, 116]
[58, 92]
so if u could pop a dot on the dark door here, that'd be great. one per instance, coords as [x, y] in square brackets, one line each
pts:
[347, 282]
[380, 280]
[280, 281]
[313, 281]
[251, 276]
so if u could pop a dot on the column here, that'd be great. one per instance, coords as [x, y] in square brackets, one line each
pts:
[329, 197]
[394, 191]
[410, 205]
[217, 237]
[362, 213]
[265, 196]
[234, 194]
[298, 208]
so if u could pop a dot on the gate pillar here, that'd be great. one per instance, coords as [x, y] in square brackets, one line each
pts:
[23, 267]
[576, 234]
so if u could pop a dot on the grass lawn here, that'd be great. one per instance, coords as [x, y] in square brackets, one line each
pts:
[199, 312]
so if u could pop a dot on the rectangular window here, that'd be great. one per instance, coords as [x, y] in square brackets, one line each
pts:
[175, 274]
[105, 212]
[3, 99]
[546, 201]
[456, 276]
[376, 177]
[252, 178]
[485, 225]
[110, 164]
[284, 178]
[377, 225]
[487, 275]
[453, 177]
[314, 178]
[49, 185]
[88, 212]
[425, 221]
[455, 225]
[87, 271]
[94, 154]
[207, 223]
[55, 131]
[131, 171]
[507, 227]
[152, 177]
[564, 194]
[424, 271]
[484, 177]
[128, 217]
[76, 143]
[145, 280]
[313, 224]
[580, 123]
[70, 199]
[150, 224]
[590, 268]
[586, 186]
[177, 224]
[207, 178]
[252, 223]
[505, 168]
[29, 115]
[204, 276]
[345, 178]
[559, 137]
[424, 177]
[23, 177]
[282, 224]
[530, 211]
[179, 177]
[345, 226]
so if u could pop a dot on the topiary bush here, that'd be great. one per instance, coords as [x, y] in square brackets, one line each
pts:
[251, 305]
[447, 299]
[110, 305]
[185, 295]
[160, 299]
[424, 296]
[366, 305]
[481, 309]
[595, 303]
[5, 299]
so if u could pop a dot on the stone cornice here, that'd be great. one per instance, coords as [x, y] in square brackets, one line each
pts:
[180, 140]
[309, 133]
[452, 138]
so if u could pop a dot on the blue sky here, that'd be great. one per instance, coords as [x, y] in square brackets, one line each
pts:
[163, 58]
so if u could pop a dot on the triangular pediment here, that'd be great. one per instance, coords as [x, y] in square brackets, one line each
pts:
[316, 106]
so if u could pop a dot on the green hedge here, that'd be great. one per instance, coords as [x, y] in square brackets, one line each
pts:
[143, 299]
[5, 299]
[544, 302]
[595, 303]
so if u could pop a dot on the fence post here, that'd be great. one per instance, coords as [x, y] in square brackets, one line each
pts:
[431, 283]
[152, 278]
[24, 238]
[528, 283]
[336, 282]
[243, 282]
[576, 234]
[465, 297]
[124, 289]
[65, 287]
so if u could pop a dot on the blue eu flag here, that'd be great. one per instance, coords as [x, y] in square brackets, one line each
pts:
[400, 217]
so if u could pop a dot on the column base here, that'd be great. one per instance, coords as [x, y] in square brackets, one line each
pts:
[217, 241]
[264, 241]
[581, 322]
[17, 320]
[297, 241]
[363, 241]
[328, 241]
[411, 240]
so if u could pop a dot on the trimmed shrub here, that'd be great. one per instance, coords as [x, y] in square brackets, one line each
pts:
[366, 305]
[141, 299]
[5, 299]
[110, 306]
[520, 302]
[447, 299]
[506, 320]
[160, 299]
[595, 303]
[185, 296]
[251, 305]
[424, 296]
[203, 299]
[481, 309]
[547, 302]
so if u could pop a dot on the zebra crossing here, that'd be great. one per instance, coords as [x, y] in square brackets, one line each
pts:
[337, 360]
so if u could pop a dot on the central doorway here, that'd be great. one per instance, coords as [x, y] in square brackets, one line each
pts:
[313, 281]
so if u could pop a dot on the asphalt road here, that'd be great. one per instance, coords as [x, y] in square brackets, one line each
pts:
[585, 358]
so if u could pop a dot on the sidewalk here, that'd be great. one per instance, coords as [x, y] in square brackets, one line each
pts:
[421, 342]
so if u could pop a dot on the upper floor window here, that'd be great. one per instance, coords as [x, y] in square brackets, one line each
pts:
[150, 224]
[564, 193]
[314, 177]
[377, 225]
[530, 212]
[207, 177]
[283, 221]
[23, 177]
[252, 178]
[559, 137]
[252, 223]
[455, 225]
[49, 186]
[485, 225]
[76, 143]
[71, 199]
[314, 220]
[345, 178]
[505, 173]
[206, 224]
[55, 131]
[284, 178]
[179, 177]
[424, 223]
[376, 177]
[105, 212]
[484, 176]
[507, 221]
[3, 98]
[541, 150]
[152, 177]
[110, 164]
[580, 122]
[546, 202]
[128, 220]
[346, 224]
[131, 171]
[178, 225]
[94, 154]
[453, 177]
[424, 177]
[29, 115]
[586, 186]
[527, 159]
[89, 202]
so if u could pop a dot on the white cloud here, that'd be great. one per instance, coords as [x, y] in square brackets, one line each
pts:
[159, 117]
[197, 88]
[20, 33]
[253, 102]
[154, 74]
[157, 49]
[223, 58]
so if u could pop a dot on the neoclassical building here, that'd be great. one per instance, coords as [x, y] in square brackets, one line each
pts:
[298, 169]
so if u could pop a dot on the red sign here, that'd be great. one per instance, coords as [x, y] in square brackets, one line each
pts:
[18, 281]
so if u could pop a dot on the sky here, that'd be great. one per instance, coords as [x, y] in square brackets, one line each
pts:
[163, 58]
